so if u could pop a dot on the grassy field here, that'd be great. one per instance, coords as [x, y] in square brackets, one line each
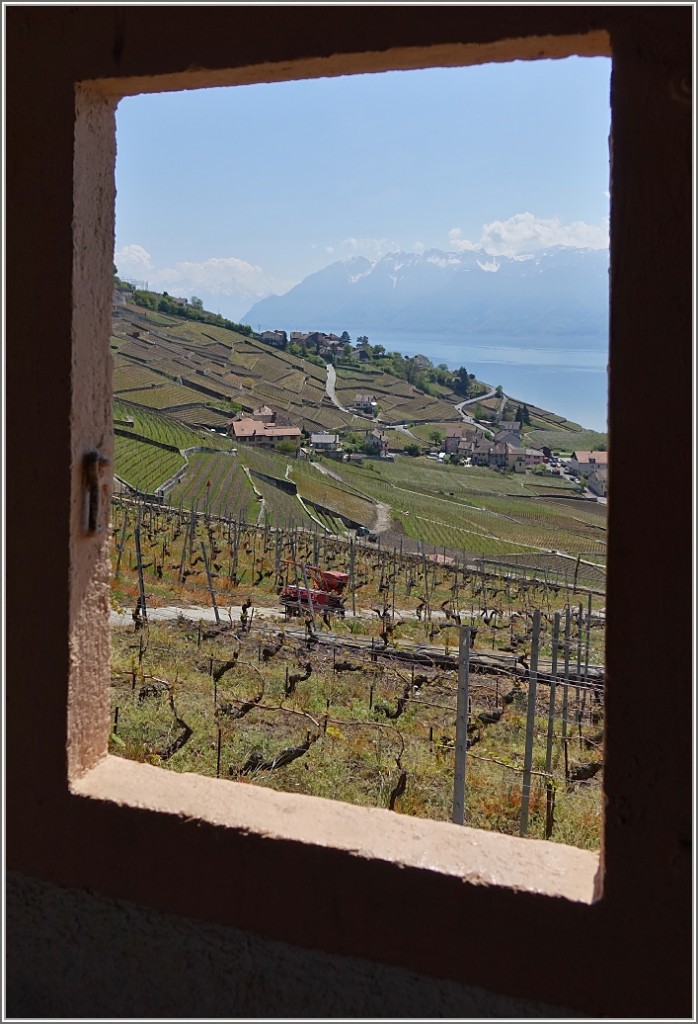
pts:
[267, 708]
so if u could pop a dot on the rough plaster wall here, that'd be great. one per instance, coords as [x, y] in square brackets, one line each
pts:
[72, 954]
[91, 425]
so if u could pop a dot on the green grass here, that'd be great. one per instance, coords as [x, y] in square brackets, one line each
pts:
[354, 752]
[216, 483]
[159, 427]
[565, 441]
[143, 465]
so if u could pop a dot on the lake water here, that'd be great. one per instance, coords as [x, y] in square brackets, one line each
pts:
[564, 375]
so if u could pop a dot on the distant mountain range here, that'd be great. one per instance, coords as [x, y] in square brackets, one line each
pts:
[555, 292]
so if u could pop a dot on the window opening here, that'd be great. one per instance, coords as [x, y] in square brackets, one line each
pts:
[308, 488]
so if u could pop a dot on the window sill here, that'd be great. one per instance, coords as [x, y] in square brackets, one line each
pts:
[482, 859]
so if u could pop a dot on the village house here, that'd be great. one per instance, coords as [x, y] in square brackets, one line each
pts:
[534, 456]
[264, 414]
[465, 448]
[518, 458]
[598, 482]
[499, 456]
[325, 442]
[378, 441]
[454, 436]
[451, 441]
[275, 338]
[366, 404]
[266, 435]
[299, 337]
[584, 463]
[507, 436]
[480, 455]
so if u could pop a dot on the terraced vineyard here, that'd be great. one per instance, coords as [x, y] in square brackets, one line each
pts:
[166, 396]
[167, 429]
[281, 508]
[216, 483]
[133, 377]
[323, 490]
[143, 465]
[566, 441]
[475, 510]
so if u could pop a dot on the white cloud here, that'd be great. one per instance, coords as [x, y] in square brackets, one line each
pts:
[133, 261]
[221, 276]
[459, 243]
[371, 248]
[229, 275]
[418, 247]
[526, 233]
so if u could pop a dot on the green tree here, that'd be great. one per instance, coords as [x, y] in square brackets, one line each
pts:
[197, 303]
[345, 337]
[412, 449]
[461, 382]
[436, 437]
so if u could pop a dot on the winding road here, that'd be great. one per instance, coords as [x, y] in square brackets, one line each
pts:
[473, 401]
[330, 385]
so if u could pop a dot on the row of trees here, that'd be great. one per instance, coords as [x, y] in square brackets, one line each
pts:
[191, 309]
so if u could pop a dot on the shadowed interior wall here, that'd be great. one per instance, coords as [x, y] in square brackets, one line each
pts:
[74, 954]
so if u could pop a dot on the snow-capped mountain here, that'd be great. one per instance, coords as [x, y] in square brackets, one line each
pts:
[554, 292]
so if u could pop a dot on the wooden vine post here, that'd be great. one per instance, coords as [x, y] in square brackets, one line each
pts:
[210, 585]
[578, 689]
[141, 584]
[458, 814]
[549, 788]
[565, 691]
[122, 544]
[352, 577]
[530, 724]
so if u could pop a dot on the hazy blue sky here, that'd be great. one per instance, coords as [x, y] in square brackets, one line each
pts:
[231, 194]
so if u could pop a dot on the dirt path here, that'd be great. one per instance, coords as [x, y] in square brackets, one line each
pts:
[330, 388]
[382, 520]
[328, 472]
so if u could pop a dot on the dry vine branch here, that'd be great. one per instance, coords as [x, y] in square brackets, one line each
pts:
[256, 763]
[513, 767]
[166, 752]
[401, 784]
[222, 669]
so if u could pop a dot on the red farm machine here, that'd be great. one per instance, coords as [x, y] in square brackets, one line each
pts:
[321, 591]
